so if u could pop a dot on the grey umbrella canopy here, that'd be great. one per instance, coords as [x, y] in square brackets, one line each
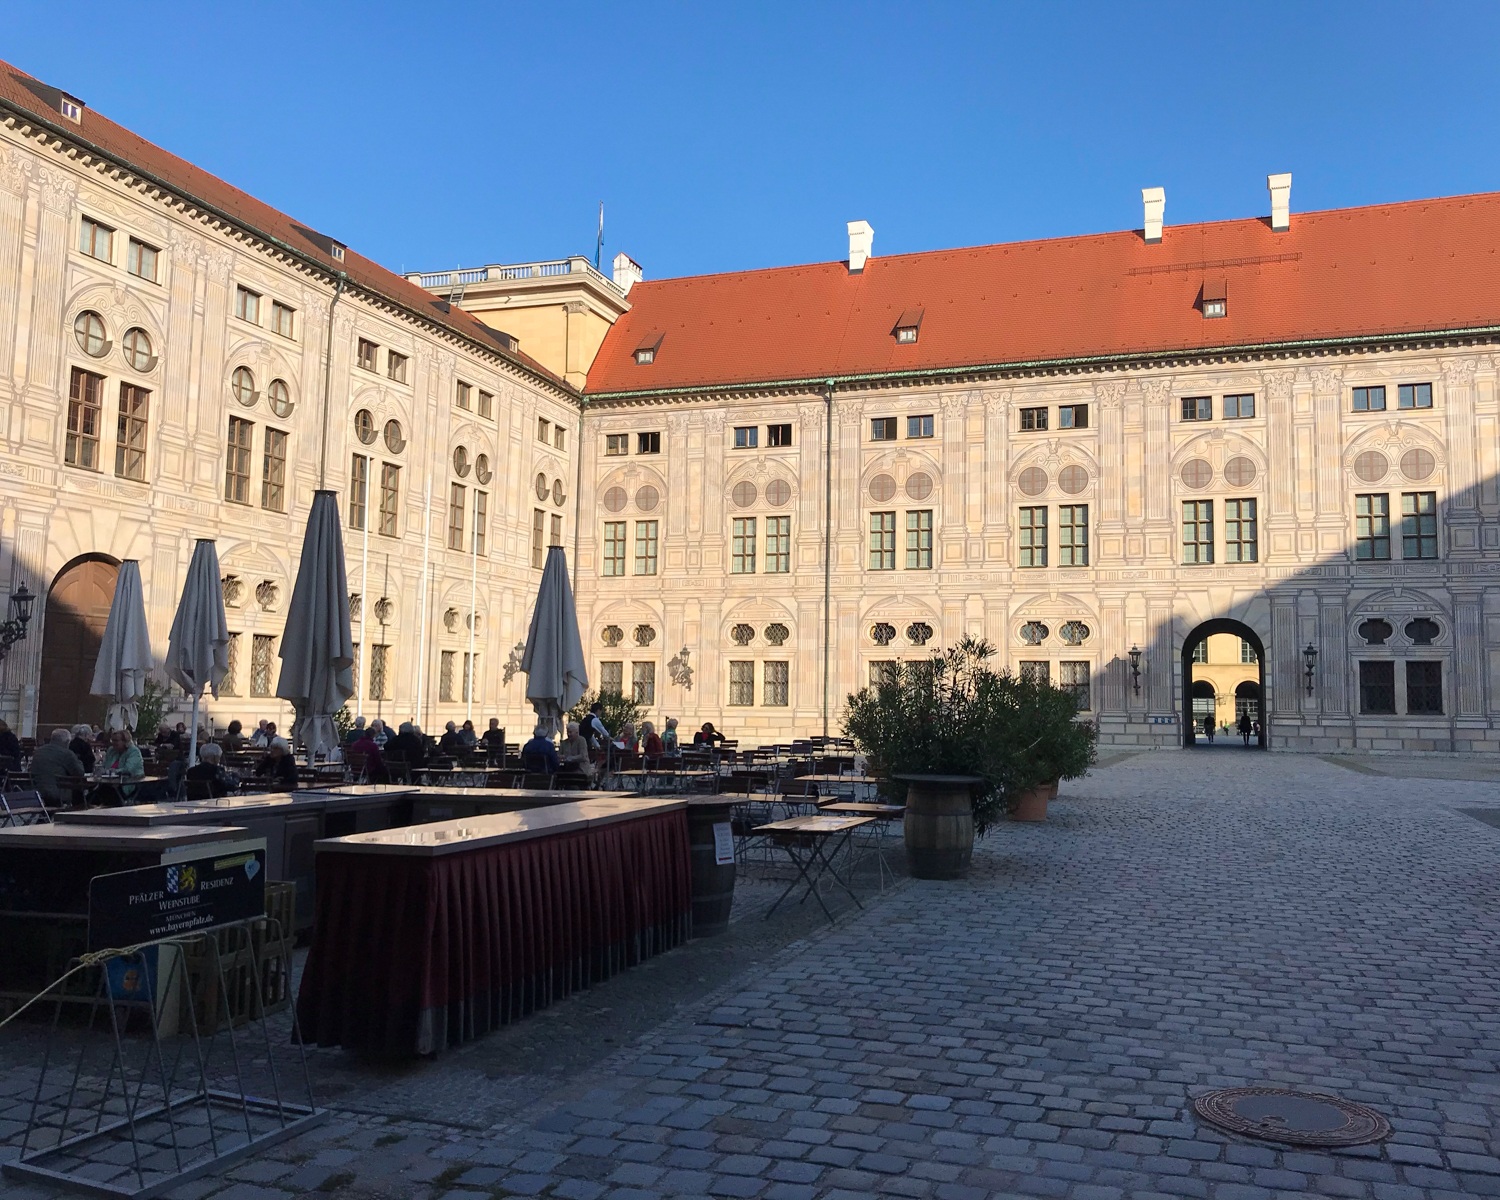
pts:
[125, 654]
[553, 662]
[198, 646]
[317, 649]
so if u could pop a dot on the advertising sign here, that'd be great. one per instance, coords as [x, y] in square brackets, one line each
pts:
[131, 907]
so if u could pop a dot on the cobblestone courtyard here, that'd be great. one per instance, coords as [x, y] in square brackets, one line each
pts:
[1184, 921]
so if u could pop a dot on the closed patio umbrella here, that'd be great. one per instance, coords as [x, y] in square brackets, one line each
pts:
[125, 654]
[317, 649]
[553, 662]
[198, 646]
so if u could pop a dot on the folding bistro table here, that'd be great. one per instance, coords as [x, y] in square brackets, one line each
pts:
[813, 843]
[873, 846]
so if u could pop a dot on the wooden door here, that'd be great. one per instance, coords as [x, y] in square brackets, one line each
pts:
[73, 629]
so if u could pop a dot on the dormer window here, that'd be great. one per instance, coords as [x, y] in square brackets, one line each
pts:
[645, 353]
[71, 108]
[337, 252]
[1215, 299]
[908, 326]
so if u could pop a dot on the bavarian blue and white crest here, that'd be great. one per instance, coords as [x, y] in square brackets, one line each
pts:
[172, 878]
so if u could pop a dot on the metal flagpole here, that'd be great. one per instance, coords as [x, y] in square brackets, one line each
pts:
[473, 596]
[599, 244]
[364, 592]
[422, 626]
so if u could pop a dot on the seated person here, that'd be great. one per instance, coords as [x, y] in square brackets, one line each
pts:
[278, 768]
[53, 761]
[651, 744]
[708, 735]
[83, 745]
[467, 736]
[539, 755]
[264, 732]
[356, 731]
[494, 738]
[234, 737]
[123, 758]
[375, 769]
[407, 746]
[450, 743]
[166, 736]
[209, 770]
[10, 746]
[574, 752]
[669, 737]
[625, 741]
[379, 734]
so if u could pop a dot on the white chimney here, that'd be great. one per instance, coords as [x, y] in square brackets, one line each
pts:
[1281, 200]
[861, 241]
[628, 272]
[1155, 201]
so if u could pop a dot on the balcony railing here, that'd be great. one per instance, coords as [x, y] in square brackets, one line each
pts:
[447, 281]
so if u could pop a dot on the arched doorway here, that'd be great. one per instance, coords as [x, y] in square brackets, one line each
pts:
[1223, 675]
[72, 630]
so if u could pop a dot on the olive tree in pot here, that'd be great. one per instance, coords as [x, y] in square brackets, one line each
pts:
[1047, 744]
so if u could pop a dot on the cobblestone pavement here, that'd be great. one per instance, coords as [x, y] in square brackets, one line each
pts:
[1183, 921]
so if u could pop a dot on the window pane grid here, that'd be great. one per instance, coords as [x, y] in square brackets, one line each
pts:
[1369, 399]
[1034, 537]
[741, 684]
[1424, 688]
[1419, 525]
[456, 496]
[237, 461]
[1372, 527]
[359, 490]
[481, 522]
[1240, 533]
[643, 682]
[645, 547]
[919, 540]
[1414, 395]
[612, 678]
[1073, 678]
[883, 541]
[1197, 531]
[778, 545]
[273, 472]
[390, 492]
[1377, 687]
[1073, 535]
[742, 547]
[262, 646]
[85, 415]
[130, 444]
[774, 689]
[614, 548]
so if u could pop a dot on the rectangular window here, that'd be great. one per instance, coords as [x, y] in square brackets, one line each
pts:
[746, 437]
[390, 496]
[97, 240]
[741, 684]
[882, 541]
[1033, 418]
[883, 429]
[1073, 416]
[645, 547]
[1369, 399]
[1414, 395]
[1419, 525]
[774, 679]
[1072, 535]
[882, 670]
[464, 395]
[130, 441]
[140, 260]
[919, 427]
[85, 416]
[919, 540]
[262, 653]
[538, 537]
[273, 472]
[283, 319]
[1424, 688]
[778, 435]
[481, 522]
[237, 461]
[380, 673]
[1200, 651]
[445, 676]
[556, 531]
[643, 682]
[742, 547]
[1377, 687]
[247, 305]
[456, 501]
[471, 669]
[395, 366]
[1197, 531]
[559, 437]
[648, 443]
[614, 548]
[487, 406]
[1247, 652]
[1197, 408]
[612, 678]
[1073, 678]
[1037, 669]
[1236, 407]
[778, 545]
[230, 684]
[365, 353]
[616, 443]
[359, 490]
[1372, 527]
[1240, 533]
[1034, 537]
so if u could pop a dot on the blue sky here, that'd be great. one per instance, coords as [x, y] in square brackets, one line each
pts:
[723, 137]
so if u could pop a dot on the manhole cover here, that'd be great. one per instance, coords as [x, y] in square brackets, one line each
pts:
[1295, 1118]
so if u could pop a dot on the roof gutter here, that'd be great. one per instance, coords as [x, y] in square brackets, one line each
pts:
[1043, 364]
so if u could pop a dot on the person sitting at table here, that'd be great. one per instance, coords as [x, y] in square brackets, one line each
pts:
[493, 739]
[52, 762]
[651, 744]
[669, 738]
[708, 735]
[166, 736]
[234, 737]
[467, 736]
[83, 745]
[539, 755]
[574, 752]
[380, 732]
[260, 738]
[625, 741]
[209, 770]
[450, 743]
[407, 747]
[356, 731]
[122, 759]
[278, 768]
[375, 768]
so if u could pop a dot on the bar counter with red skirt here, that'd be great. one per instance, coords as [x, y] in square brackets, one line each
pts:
[430, 936]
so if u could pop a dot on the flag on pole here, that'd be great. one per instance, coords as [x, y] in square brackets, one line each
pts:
[599, 244]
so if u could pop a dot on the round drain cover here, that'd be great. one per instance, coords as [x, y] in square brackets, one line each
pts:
[1294, 1118]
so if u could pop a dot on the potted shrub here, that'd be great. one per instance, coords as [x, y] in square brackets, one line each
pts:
[1047, 743]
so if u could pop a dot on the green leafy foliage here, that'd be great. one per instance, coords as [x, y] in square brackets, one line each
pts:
[617, 709]
[954, 714]
[151, 708]
[343, 721]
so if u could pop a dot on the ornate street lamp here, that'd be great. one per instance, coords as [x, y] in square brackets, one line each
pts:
[1135, 668]
[1309, 665]
[14, 630]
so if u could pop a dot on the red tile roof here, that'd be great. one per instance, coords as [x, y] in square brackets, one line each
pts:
[29, 97]
[1425, 265]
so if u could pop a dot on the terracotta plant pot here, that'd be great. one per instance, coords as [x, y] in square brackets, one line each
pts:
[1031, 805]
[939, 825]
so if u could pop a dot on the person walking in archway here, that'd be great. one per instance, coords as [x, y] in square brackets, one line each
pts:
[1246, 727]
[1208, 727]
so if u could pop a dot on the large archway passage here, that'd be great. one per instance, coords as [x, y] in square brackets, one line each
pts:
[73, 628]
[1222, 685]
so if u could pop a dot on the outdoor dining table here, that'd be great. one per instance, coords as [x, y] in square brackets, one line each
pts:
[882, 815]
[813, 843]
[651, 780]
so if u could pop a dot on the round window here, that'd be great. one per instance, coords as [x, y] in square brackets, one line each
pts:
[647, 497]
[394, 442]
[778, 492]
[137, 347]
[1197, 473]
[744, 494]
[242, 383]
[615, 499]
[1418, 464]
[558, 494]
[482, 468]
[279, 397]
[882, 488]
[89, 330]
[1239, 472]
[919, 485]
[1032, 481]
[542, 487]
[364, 426]
[1072, 480]
[461, 462]
[1371, 465]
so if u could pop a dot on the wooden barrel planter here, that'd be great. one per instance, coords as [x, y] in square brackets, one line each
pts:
[713, 881]
[939, 825]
